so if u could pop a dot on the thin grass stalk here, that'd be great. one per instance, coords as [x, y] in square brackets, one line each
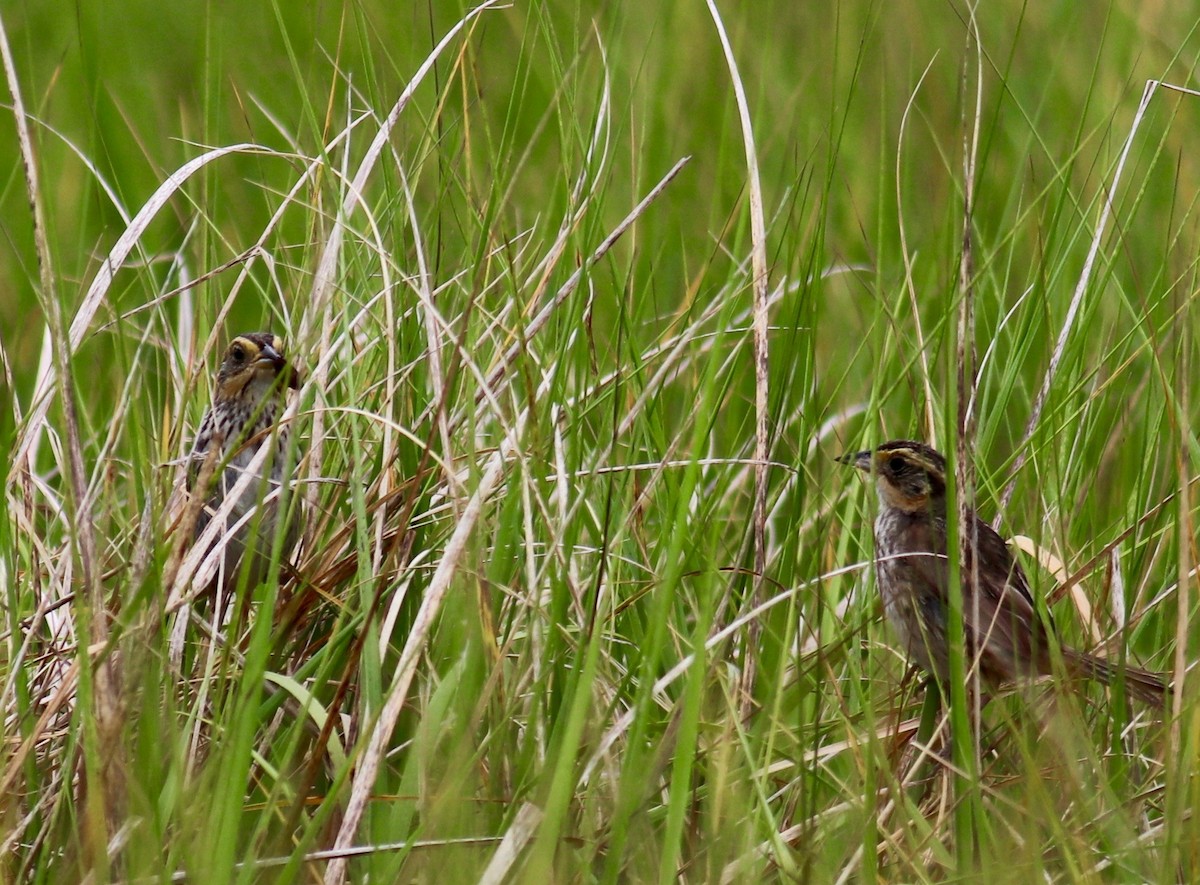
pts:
[761, 322]
[1081, 287]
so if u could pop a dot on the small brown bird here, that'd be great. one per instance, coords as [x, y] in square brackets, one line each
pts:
[247, 402]
[1003, 631]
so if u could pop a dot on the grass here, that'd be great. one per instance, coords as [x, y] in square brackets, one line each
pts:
[527, 639]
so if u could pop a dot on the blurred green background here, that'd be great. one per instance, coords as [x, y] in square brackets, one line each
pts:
[135, 87]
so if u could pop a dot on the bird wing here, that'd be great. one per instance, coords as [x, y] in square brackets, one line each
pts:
[1001, 622]
[1006, 611]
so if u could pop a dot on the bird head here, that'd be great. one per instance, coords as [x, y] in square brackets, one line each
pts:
[254, 367]
[909, 475]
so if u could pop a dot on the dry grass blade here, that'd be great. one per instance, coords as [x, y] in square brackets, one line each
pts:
[439, 586]
[63, 696]
[967, 358]
[319, 309]
[105, 813]
[435, 331]
[331, 253]
[930, 433]
[762, 440]
[621, 725]
[29, 167]
[564, 292]
[1085, 277]
[31, 433]
[509, 849]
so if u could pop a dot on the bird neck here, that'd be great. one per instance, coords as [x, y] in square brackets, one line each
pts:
[915, 505]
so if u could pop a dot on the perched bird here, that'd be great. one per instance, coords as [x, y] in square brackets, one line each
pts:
[1002, 628]
[247, 401]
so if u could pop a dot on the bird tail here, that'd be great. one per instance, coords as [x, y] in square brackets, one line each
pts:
[1149, 688]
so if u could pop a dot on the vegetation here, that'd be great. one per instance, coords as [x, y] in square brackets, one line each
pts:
[543, 627]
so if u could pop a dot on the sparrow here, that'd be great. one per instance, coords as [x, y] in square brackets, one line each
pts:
[248, 398]
[1004, 634]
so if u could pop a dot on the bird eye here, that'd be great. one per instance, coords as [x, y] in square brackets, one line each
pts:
[238, 353]
[896, 464]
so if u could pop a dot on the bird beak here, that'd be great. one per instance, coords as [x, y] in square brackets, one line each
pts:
[861, 460]
[269, 356]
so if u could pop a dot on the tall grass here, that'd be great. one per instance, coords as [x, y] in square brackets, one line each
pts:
[526, 636]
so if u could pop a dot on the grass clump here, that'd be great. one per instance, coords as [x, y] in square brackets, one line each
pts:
[535, 629]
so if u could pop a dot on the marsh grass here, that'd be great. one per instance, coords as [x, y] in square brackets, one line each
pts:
[525, 638]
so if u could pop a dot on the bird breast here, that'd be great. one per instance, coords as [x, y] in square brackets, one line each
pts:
[910, 571]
